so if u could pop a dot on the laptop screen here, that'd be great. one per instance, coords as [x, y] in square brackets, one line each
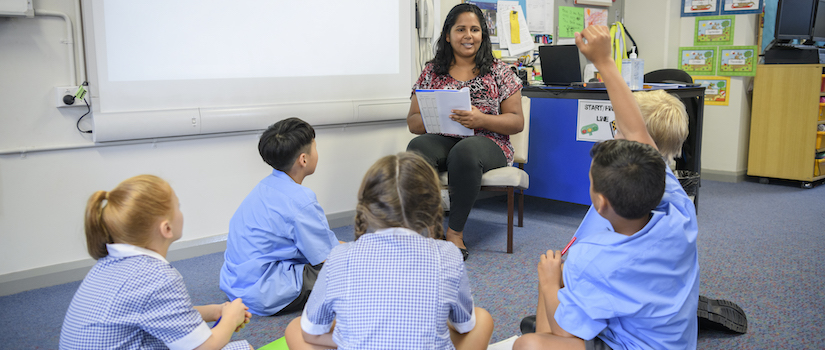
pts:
[560, 64]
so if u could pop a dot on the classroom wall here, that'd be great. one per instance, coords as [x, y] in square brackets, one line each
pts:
[43, 193]
[726, 128]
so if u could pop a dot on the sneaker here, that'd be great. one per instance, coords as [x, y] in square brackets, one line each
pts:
[721, 315]
[528, 324]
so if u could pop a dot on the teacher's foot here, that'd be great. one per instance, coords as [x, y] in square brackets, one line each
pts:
[457, 238]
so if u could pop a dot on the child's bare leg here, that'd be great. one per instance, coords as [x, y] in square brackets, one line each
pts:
[479, 337]
[295, 337]
[547, 341]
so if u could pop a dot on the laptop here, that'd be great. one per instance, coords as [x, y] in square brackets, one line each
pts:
[560, 65]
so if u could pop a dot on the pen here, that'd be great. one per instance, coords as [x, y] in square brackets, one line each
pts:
[568, 245]
[219, 319]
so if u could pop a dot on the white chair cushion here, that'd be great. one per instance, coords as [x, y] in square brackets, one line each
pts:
[506, 176]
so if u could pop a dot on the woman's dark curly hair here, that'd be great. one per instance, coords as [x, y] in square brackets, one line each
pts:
[444, 51]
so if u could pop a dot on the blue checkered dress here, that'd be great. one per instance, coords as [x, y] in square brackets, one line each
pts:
[133, 299]
[392, 289]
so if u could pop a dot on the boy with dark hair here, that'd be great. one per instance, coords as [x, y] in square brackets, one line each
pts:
[634, 281]
[279, 236]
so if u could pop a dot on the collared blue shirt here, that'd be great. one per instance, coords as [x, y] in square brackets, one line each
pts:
[391, 289]
[278, 228]
[639, 291]
[134, 299]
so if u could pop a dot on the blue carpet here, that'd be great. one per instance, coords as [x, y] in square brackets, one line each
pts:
[759, 247]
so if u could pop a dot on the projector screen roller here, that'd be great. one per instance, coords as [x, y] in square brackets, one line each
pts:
[193, 59]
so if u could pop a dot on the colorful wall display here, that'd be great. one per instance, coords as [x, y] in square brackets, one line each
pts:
[716, 89]
[737, 61]
[699, 8]
[697, 60]
[741, 7]
[715, 30]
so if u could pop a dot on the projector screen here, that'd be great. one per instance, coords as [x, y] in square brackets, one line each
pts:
[200, 66]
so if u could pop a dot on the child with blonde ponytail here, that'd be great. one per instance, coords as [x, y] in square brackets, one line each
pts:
[400, 285]
[133, 298]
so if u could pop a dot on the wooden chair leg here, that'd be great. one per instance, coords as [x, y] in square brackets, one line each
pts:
[521, 208]
[510, 206]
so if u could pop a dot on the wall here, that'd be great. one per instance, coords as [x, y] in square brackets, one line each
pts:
[726, 128]
[43, 193]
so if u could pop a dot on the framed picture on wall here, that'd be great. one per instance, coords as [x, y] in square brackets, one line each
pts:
[716, 89]
[741, 7]
[697, 60]
[737, 61]
[714, 30]
[699, 8]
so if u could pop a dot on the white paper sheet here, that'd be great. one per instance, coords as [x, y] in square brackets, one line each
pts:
[436, 107]
[540, 16]
[525, 39]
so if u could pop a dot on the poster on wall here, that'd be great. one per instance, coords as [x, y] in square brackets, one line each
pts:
[596, 121]
[741, 7]
[488, 9]
[716, 89]
[699, 8]
[715, 30]
[571, 20]
[595, 17]
[736, 61]
[697, 60]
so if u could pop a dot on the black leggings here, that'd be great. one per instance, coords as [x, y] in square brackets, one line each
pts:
[465, 160]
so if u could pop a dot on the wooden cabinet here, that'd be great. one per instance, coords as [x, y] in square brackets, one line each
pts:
[784, 120]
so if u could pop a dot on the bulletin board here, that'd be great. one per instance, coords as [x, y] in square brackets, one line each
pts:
[615, 11]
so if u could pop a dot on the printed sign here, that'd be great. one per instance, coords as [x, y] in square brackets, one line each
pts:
[596, 121]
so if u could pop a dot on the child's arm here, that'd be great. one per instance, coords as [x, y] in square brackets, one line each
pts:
[550, 281]
[628, 116]
[233, 315]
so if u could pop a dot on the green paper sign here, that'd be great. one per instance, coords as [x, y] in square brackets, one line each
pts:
[571, 20]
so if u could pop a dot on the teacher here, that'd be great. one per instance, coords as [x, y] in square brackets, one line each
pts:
[464, 58]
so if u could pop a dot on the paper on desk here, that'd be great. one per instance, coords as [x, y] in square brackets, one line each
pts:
[504, 9]
[436, 107]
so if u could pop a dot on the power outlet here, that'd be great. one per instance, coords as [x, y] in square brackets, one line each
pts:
[61, 91]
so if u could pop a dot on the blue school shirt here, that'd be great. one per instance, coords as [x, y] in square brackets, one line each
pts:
[391, 289]
[133, 299]
[639, 291]
[278, 228]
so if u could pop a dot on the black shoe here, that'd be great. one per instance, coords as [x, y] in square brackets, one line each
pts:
[528, 324]
[721, 315]
[465, 253]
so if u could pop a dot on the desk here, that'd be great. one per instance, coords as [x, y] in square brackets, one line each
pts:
[558, 164]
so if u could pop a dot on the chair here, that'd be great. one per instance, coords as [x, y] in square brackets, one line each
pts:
[510, 179]
[688, 160]
[668, 75]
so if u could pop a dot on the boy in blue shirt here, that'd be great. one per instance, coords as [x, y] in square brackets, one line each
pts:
[279, 236]
[633, 282]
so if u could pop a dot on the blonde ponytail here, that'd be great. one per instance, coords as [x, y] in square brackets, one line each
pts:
[96, 235]
[131, 211]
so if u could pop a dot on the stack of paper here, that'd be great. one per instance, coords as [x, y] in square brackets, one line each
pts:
[436, 106]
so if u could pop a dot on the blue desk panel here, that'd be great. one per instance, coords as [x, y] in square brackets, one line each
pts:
[558, 164]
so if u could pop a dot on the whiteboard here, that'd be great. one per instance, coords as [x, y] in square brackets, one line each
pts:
[183, 67]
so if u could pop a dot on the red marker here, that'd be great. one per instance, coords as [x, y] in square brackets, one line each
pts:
[568, 245]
